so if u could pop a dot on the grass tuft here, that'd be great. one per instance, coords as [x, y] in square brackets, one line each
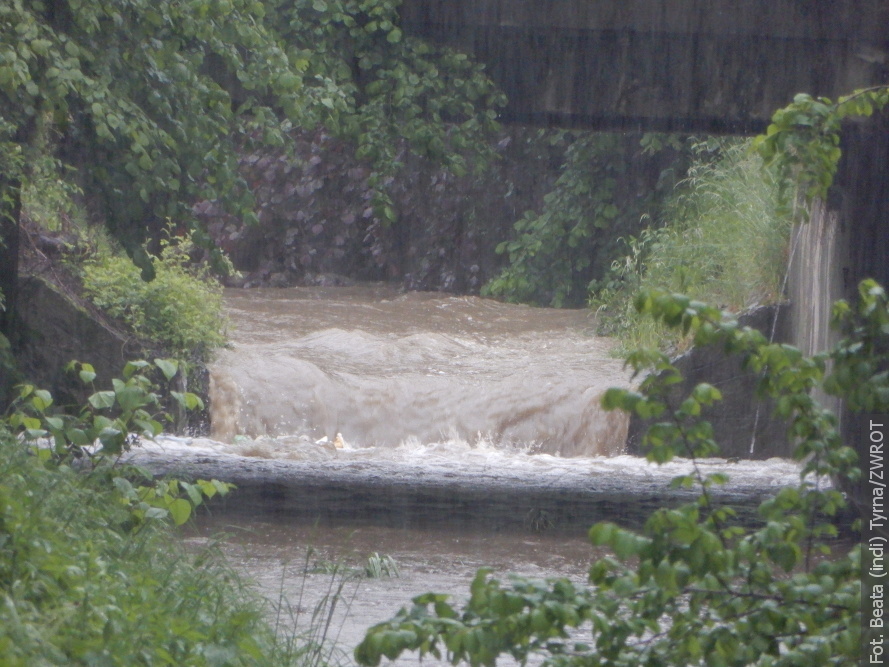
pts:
[80, 584]
[723, 240]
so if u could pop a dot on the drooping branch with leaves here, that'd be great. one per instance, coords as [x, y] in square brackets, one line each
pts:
[697, 585]
[803, 138]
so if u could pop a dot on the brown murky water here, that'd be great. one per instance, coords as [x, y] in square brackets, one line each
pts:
[448, 433]
[301, 567]
[383, 368]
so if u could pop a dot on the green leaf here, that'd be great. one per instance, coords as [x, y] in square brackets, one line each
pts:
[222, 487]
[188, 400]
[194, 493]
[132, 367]
[207, 487]
[130, 398]
[125, 488]
[157, 513]
[169, 367]
[102, 399]
[180, 510]
[30, 423]
[55, 423]
[77, 436]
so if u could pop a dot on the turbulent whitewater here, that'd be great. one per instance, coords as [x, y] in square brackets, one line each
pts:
[384, 369]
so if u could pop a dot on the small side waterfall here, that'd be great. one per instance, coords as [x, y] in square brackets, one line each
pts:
[819, 275]
[816, 278]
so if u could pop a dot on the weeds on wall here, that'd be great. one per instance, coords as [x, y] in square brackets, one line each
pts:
[608, 182]
[722, 239]
[181, 309]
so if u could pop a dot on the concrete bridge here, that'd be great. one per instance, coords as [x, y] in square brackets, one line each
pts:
[716, 66]
[710, 66]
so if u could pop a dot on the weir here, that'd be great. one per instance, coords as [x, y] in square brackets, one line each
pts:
[366, 406]
[381, 369]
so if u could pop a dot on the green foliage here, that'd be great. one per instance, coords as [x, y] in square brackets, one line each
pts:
[558, 251]
[167, 500]
[82, 583]
[803, 139]
[181, 308]
[153, 100]
[142, 93]
[696, 585]
[8, 368]
[723, 240]
[373, 84]
[378, 566]
[89, 570]
[107, 423]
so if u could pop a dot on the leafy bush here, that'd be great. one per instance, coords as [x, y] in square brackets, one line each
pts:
[181, 308]
[90, 572]
[803, 139]
[108, 422]
[723, 241]
[82, 583]
[696, 586]
[572, 240]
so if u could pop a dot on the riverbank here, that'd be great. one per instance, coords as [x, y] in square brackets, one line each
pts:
[84, 581]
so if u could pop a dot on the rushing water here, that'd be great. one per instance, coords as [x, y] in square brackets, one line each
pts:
[384, 368]
[447, 432]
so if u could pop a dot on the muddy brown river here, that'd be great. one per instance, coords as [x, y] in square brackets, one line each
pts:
[444, 432]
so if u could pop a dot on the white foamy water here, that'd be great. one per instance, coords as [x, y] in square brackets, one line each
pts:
[480, 461]
[384, 369]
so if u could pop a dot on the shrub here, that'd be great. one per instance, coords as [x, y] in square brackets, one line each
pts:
[557, 251]
[108, 421]
[181, 308]
[90, 571]
[723, 240]
[80, 585]
[696, 586]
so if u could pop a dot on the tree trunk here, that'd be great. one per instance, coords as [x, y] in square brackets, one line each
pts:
[11, 180]
[10, 218]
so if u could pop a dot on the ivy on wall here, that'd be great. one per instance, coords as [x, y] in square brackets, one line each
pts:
[803, 139]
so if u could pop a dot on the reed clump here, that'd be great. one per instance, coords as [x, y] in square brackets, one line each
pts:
[722, 239]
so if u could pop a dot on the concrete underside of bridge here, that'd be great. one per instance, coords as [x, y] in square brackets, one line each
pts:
[709, 66]
[715, 66]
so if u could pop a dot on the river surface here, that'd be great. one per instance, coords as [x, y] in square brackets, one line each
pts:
[384, 368]
[447, 433]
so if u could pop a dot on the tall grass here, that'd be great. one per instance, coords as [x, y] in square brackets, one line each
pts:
[81, 584]
[723, 239]
[310, 630]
